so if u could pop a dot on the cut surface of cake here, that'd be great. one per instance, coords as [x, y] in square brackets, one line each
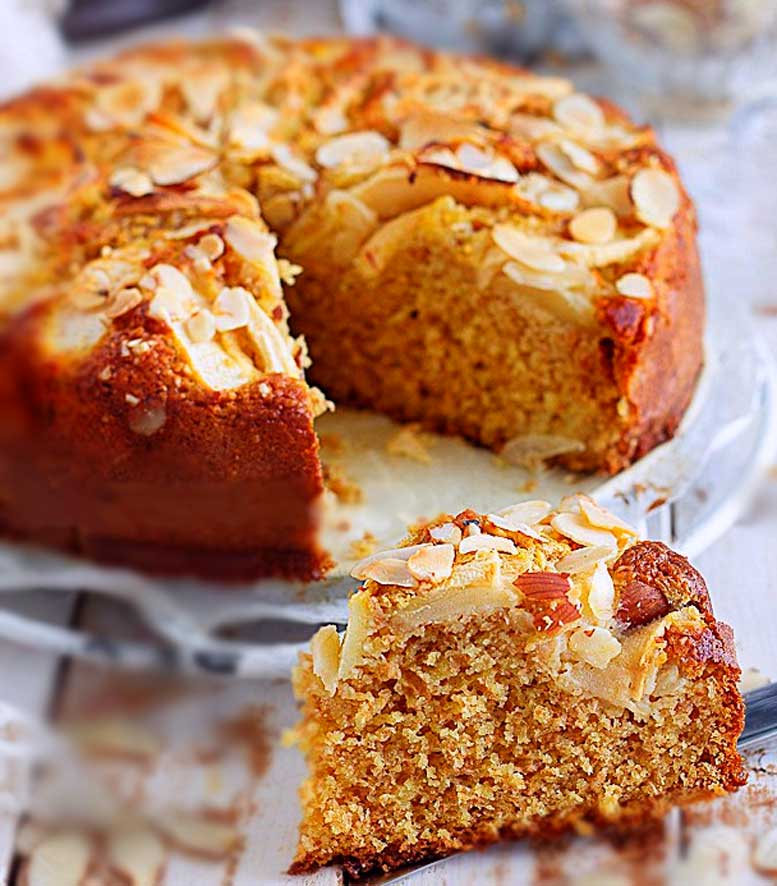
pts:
[509, 675]
[476, 248]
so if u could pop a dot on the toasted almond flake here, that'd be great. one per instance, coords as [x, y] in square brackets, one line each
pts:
[601, 593]
[231, 308]
[601, 518]
[472, 528]
[515, 526]
[284, 157]
[578, 112]
[200, 836]
[329, 120]
[172, 279]
[212, 246]
[132, 181]
[558, 162]
[325, 650]
[447, 532]
[595, 646]
[425, 127]
[201, 326]
[60, 860]
[611, 192]
[656, 197]
[765, 852]
[596, 225]
[173, 164]
[360, 626]
[578, 156]
[526, 511]
[530, 251]
[137, 855]
[635, 286]
[391, 571]
[364, 149]
[169, 305]
[484, 542]
[530, 450]
[131, 399]
[123, 302]
[559, 198]
[247, 237]
[357, 570]
[583, 560]
[577, 528]
[249, 126]
[432, 564]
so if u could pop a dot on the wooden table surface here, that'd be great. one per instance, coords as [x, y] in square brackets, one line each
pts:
[713, 843]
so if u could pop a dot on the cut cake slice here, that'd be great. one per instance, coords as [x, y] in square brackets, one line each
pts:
[508, 675]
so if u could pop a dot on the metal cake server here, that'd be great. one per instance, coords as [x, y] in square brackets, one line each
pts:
[760, 727]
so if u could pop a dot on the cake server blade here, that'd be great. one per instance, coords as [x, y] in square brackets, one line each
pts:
[760, 726]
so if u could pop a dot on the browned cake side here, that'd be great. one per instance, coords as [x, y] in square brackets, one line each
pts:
[449, 272]
[532, 685]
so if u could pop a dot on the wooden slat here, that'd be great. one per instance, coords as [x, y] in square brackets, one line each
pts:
[28, 677]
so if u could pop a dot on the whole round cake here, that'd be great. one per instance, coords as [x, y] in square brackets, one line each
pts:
[193, 234]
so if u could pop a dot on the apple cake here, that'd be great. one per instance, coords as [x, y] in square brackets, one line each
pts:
[508, 675]
[197, 239]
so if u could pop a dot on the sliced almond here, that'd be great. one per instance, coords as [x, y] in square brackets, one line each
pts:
[601, 593]
[123, 302]
[325, 649]
[284, 157]
[599, 255]
[362, 149]
[526, 511]
[170, 163]
[447, 532]
[603, 519]
[357, 570]
[231, 308]
[515, 526]
[249, 126]
[391, 571]
[594, 225]
[656, 197]
[530, 251]
[426, 127]
[635, 286]
[132, 181]
[201, 326]
[137, 855]
[485, 542]
[578, 112]
[249, 239]
[360, 626]
[578, 529]
[530, 450]
[583, 560]
[578, 156]
[60, 860]
[172, 279]
[595, 646]
[557, 161]
[200, 836]
[433, 564]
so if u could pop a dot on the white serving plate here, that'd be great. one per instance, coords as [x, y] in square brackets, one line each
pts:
[686, 492]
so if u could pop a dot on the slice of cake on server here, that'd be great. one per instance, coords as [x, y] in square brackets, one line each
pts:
[513, 674]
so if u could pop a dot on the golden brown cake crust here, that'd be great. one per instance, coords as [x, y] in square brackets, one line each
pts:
[155, 441]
